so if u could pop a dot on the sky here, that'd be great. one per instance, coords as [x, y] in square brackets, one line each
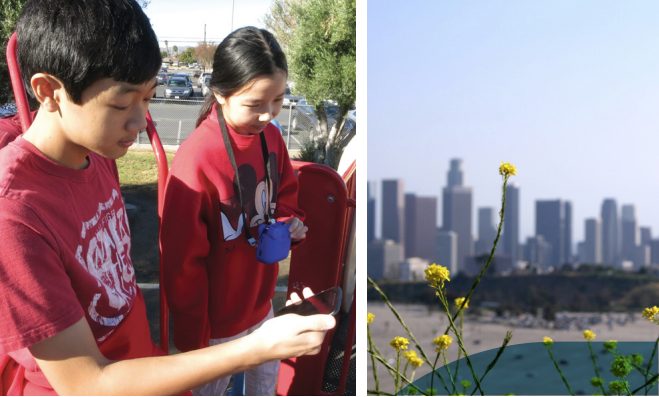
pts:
[567, 91]
[181, 23]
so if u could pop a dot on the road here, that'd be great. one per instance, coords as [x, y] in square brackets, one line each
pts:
[176, 119]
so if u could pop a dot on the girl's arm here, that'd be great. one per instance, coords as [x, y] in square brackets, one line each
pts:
[73, 364]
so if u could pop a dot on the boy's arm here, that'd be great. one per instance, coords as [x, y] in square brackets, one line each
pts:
[74, 365]
[185, 246]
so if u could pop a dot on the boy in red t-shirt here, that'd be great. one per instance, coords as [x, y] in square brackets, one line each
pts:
[73, 319]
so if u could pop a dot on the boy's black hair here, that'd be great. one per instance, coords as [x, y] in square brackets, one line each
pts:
[82, 41]
[243, 55]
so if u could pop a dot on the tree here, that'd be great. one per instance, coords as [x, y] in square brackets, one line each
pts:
[175, 49]
[163, 54]
[10, 10]
[167, 47]
[321, 48]
[204, 53]
[187, 56]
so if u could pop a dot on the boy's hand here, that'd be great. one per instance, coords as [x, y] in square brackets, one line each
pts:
[297, 229]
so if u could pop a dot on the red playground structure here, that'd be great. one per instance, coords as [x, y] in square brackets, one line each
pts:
[326, 259]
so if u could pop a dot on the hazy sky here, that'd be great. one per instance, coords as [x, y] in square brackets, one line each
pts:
[181, 23]
[568, 91]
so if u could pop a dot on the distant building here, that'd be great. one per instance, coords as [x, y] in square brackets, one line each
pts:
[593, 241]
[393, 211]
[630, 237]
[446, 254]
[501, 264]
[610, 233]
[654, 251]
[370, 215]
[487, 231]
[551, 223]
[646, 235]
[567, 233]
[413, 269]
[456, 211]
[420, 226]
[510, 235]
[538, 252]
[383, 259]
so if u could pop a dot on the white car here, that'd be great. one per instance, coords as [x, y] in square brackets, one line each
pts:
[202, 77]
[204, 85]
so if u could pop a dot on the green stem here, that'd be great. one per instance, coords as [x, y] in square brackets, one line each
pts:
[597, 371]
[559, 369]
[392, 369]
[509, 336]
[448, 369]
[654, 351]
[457, 364]
[375, 367]
[452, 326]
[397, 370]
[379, 393]
[646, 383]
[400, 319]
[494, 248]
[624, 383]
[432, 378]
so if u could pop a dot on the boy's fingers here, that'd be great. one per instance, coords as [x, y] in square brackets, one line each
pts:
[295, 297]
[307, 292]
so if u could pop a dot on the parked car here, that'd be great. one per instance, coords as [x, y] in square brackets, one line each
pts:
[196, 73]
[204, 85]
[163, 69]
[290, 99]
[162, 78]
[201, 78]
[177, 88]
[187, 79]
[305, 120]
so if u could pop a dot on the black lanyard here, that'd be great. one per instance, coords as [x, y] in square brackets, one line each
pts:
[232, 159]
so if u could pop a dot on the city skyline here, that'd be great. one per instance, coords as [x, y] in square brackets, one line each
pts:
[566, 91]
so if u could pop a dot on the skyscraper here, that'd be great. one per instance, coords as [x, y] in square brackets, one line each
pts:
[487, 231]
[593, 241]
[383, 259]
[420, 226]
[511, 224]
[393, 211]
[610, 234]
[551, 223]
[446, 246]
[456, 211]
[567, 232]
[370, 215]
[629, 235]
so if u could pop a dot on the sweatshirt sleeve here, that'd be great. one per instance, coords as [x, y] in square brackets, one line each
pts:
[185, 246]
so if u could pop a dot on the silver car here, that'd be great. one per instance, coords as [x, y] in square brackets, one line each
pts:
[177, 88]
[204, 85]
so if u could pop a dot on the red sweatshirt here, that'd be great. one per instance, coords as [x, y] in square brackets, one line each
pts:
[215, 287]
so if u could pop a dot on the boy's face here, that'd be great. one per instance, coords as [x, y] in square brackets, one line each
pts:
[107, 122]
[249, 110]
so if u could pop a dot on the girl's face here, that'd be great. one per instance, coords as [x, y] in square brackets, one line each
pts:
[252, 107]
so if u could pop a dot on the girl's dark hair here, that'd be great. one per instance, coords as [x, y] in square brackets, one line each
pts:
[243, 55]
[82, 41]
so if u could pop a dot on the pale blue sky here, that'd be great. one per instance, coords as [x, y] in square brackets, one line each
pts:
[568, 91]
[182, 22]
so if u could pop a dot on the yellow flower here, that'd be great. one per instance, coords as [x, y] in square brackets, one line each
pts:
[416, 362]
[458, 302]
[442, 342]
[399, 343]
[649, 313]
[507, 169]
[370, 318]
[437, 274]
[410, 355]
[588, 334]
[547, 341]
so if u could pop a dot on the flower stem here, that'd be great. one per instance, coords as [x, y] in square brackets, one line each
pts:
[397, 371]
[509, 336]
[432, 378]
[597, 371]
[448, 370]
[654, 351]
[559, 370]
[457, 363]
[392, 370]
[494, 248]
[375, 367]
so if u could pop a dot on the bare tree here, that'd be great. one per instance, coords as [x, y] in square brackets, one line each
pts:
[204, 53]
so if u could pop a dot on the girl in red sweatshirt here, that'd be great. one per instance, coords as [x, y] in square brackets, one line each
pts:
[218, 193]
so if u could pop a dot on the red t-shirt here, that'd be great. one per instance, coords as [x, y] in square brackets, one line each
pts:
[65, 254]
[215, 286]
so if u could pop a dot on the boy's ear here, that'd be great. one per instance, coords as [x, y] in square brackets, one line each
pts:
[48, 91]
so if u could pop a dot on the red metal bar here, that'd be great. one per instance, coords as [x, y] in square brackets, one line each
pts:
[17, 85]
[347, 352]
[163, 171]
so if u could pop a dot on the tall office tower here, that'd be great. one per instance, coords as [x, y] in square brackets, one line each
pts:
[538, 252]
[646, 235]
[593, 241]
[487, 231]
[383, 259]
[511, 224]
[610, 234]
[455, 174]
[393, 211]
[456, 211]
[567, 232]
[550, 224]
[654, 251]
[446, 245]
[629, 232]
[370, 215]
[420, 226]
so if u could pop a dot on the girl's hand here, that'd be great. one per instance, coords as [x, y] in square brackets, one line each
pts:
[297, 229]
